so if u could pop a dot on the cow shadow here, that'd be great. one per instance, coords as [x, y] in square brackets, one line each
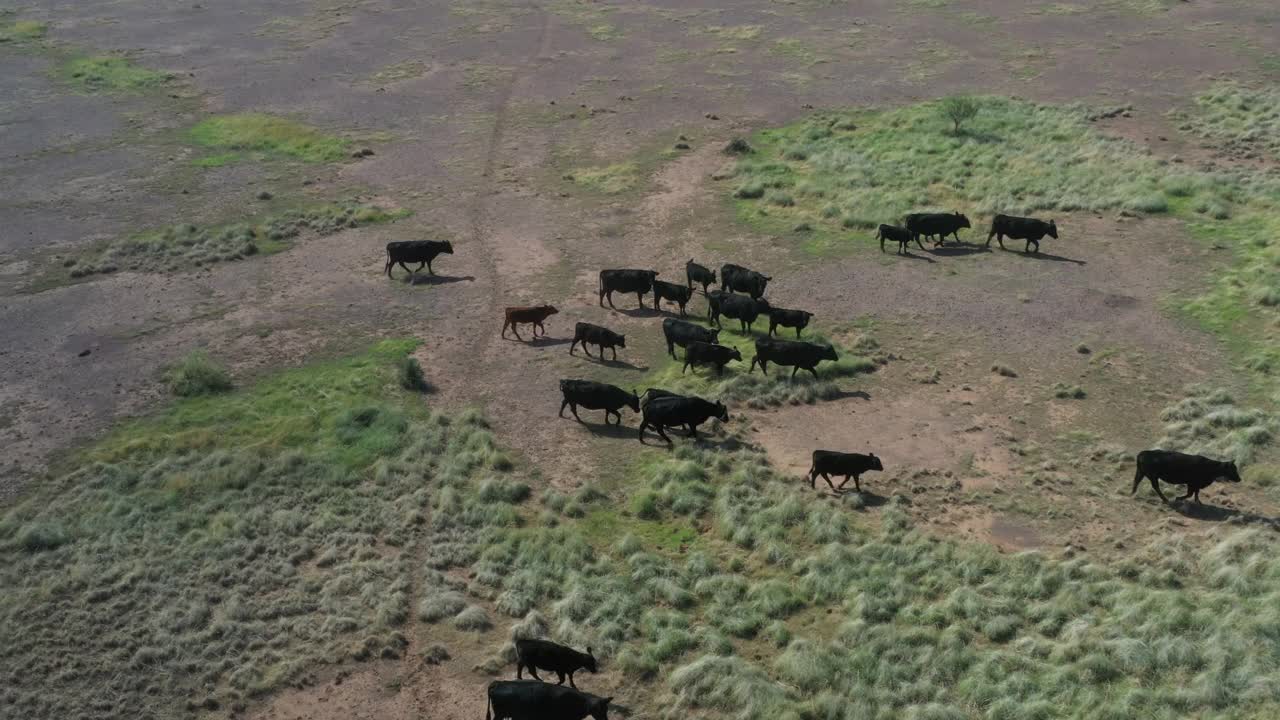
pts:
[869, 499]
[1217, 513]
[618, 364]
[913, 256]
[645, 311]
[415, 280]
[540, 341]
[846, 394]
[705, 440]
[1043, 256]
[957, 249]
[604, 429]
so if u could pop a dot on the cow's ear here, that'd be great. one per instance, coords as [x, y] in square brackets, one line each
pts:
[589, 651]
[608, 700]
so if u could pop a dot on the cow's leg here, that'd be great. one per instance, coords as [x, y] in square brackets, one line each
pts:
[515, 328]
[573, 407]
[662, 434]
[813, 477]
[574, 344]
[609, 296]
[643, 425]
[798, 329]
[575, 687]
[561, 676]
[563, 405]
[1000, 237]
[772, 326]
[827, 477]
[420, 265]
[533, 672]
[406, 267]
[682, 314]
[1137, 479]
[504, 328]
[519, 670]
[1190, 491]
[671, 349]
[640, 300]
[719, 370]
[390, 263]
[433, 272]
[989, 236]
[1155, 484]
[602, 298]
[686, 366]
[539, 326]
[615, 412]
[842, 483]
[693, 430]
[814, 370]
[917, 239]
[613, 348]
[857, 485]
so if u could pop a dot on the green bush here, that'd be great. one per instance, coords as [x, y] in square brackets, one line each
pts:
[411, 375]
[197, 374]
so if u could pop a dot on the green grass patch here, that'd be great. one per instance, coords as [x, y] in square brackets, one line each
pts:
[20, 31]
[109, 73]
[604, 527]
[230, 544]
[218, 160]
[609, 179]
[186, 245]
[604, 32]
[269, 135]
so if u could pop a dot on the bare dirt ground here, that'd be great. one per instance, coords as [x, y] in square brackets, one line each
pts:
[476, 112]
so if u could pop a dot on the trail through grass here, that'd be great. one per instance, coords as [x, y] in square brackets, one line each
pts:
[269, 135]
[184, 246]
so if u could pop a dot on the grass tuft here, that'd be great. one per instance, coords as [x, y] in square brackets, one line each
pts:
[411, 375]
[197, 374]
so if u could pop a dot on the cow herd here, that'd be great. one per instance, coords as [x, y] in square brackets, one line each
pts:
[740, 297]
[941, 225]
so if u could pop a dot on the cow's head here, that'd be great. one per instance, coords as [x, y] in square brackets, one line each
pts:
[1231, 472]
[875, 463]
[722, 412]
[763, 306]
[589, 660]
[622, 341]
[1053, 229]
[634, 404]
[600, 708]
[652, 274]
[549, 309]
[735, 354]
[829, 353]
[964, 221]
[446, 248]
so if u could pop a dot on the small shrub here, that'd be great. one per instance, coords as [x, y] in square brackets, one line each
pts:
[411, 376]
[959, 110]
[749, 191]
[738, 146]
[197, 374]
[435, 654]
[473, 619]
[39, 537]
[1068, 392]
[1004, 371]
[440, 604]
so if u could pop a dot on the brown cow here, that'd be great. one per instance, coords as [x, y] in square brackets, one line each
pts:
[529, 316]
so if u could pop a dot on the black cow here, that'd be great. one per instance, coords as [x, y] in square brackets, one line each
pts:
[534, 316]
[700, 353]
[604, 337]
[1020, 228]
[739, 307]
[850, 465]
[940, 224]
[676, 410]
[419, 251]
[800, 355]
[679, 332]
[900, 235]
[696, 273]
[596, 396]
[798, 319]
[678, 294]
[534, 700]
[561, 660]
[1195, 471]
[736, 277]
[625, 281]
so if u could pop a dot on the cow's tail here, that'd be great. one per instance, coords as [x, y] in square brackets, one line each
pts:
[488, 709]
[1137, 477]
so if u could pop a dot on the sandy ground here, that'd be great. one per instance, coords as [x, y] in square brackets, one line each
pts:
[476, 111]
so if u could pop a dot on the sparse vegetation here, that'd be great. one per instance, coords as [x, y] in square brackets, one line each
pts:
[197, 374]
[184, 246]
[108, 73]
[610, 179]
[20, 31]
[269, 135]
[1063, 391]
